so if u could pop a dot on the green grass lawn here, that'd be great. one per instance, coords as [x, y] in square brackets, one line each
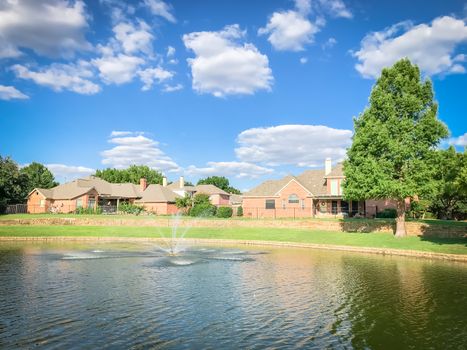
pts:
[377, 240]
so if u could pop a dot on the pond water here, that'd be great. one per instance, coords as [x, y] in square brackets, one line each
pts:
[74, 295]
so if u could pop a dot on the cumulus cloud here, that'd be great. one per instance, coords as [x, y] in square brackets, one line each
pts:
[172, 88]
[151, 75]
[292, 30]
[430, 46]
[136, 149]
[59, 77]
[460, 141]
[170, 51]
[224, 66]
[300, 145]
[160, 8]
[236, 169]
[48, 27]
[303, 60]
[11, 93]
[69, 172]
[134, 38]
[117, 69]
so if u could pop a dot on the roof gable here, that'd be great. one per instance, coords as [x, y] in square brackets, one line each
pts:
[293, 179]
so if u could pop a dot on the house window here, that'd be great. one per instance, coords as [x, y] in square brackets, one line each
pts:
[91, 202]
[334, 188]
[42, 203]
[79, 202]
[323, 207]
[293, 199]
[302, 204]
[283, 204]
[270, 204]
[334, 207]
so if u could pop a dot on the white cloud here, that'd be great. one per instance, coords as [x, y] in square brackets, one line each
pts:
[160, 8]
[134, 38]
[236, 169]
[430, 46]
[125, 133]
[300, 145]
[223, 66]
[151, 75]
[69, 172]
[59, 77]
[10, 93]
[329, 43]
[172, 88]
[303, 60]
[170, 51]
[336, 8]
[48, 27]
[458, 141]
[118, 69]
[290, 30]
[136, 149]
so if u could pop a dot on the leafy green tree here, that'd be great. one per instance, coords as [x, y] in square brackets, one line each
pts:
[202, 206]
[220, 182]
[184, 203]
[132, 174]
[449, 190]
[13, 183]
[393, 140]
[38, 176]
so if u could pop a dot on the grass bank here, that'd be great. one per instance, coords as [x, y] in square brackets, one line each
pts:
[294, 235]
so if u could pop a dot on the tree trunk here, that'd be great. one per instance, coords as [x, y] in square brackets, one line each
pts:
[400, 220]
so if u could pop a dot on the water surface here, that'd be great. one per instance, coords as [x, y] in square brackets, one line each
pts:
[72, 295]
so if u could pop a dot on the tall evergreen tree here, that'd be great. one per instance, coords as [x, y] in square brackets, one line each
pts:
[394, 139]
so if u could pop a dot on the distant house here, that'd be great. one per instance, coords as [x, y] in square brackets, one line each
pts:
[92, 191]
[217, 196]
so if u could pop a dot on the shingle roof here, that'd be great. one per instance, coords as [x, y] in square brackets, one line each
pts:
[337, 171]
[313, 180]
[209, 189]
[68, 190]
[175, 186]
[157, 194]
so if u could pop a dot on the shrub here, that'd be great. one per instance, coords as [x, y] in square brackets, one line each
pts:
[224, 212]
[387, 213]
[84, 211]
[203, 210]
[240, 211]
[129, 208]
[201, 198]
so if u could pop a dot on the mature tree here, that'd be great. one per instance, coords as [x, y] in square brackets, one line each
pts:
[38, 176]
[449, 190]
[132, 174]
[184, 203]
[393, 140]
[220, 182]
[13, 184]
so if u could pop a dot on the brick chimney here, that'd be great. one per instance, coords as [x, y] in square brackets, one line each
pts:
[327, 166]
[182, 182]
[143, 183]
[164, 181]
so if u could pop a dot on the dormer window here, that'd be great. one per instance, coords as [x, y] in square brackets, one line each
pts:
[293, 199]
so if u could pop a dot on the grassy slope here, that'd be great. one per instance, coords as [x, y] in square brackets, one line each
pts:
[378, 240]
[165, 217]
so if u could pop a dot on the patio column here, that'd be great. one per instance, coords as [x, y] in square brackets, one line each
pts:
[118, 203]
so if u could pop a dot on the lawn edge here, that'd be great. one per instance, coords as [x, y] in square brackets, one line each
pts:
[356, 249]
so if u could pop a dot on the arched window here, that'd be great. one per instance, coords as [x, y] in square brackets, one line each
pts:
[293, 198]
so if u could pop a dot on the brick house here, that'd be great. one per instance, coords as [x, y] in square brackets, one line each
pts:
[314, 193]
[91, 191]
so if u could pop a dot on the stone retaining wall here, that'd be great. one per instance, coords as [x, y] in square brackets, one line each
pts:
[413, 228]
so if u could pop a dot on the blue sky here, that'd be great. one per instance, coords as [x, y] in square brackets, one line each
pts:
[246, 89]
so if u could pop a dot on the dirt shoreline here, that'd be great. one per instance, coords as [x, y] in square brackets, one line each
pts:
[370, 250]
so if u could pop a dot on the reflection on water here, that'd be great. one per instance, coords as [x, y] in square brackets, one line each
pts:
[129, 295]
